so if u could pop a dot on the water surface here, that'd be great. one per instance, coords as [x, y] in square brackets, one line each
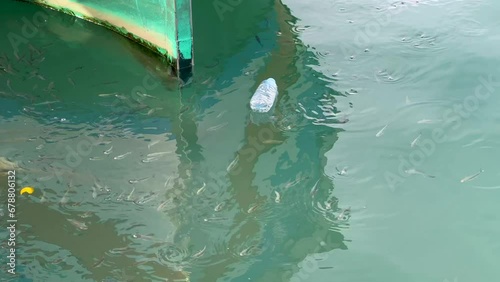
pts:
[187, 183]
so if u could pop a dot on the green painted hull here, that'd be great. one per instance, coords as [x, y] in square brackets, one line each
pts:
[164, 26]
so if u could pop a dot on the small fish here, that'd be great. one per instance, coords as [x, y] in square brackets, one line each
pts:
[341, 172]
[145, 95]
[76, 69]
[314, 189]
[44, 178]
[427, 121]
[43, 199]
[469, 178]
[45, 103]
[206, 81]
[99, 186]
[70, 80]
[8, 85]
[130, 195]
[135, 226]
[381, 131]
[219, 207]
[86, 214]
[151, 111]
[199, 253]
[162, 205]
[246, 251]
[408, 100]
[273, 142]
[233, 163]
[158, 154]
[414, 142]
[143, 262]
[107, 94]
[294, 182]
[252, 208]
[134, 181]
[98, 263]
[51, 86]
[217, 127]
[108, 151]
[211, 219]
[343, 214]
[71, 184]
[258, 40]
[9, 70]
[95, 158]
[414, 171]
[121, 157]
[146, 198]
[183, 109]
[153, 143]
[120, 197]
[167, 181]
[221, 114]
[277, 199]
[65, 199]
[58, 261]
[33, 74]
[328, 204]
[144, 237]
[199, 191]
[116, 251]
[150, 159]
[120, 96]
[94, 192]
[78, 224]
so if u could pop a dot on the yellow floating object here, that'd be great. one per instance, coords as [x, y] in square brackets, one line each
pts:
[28, 190]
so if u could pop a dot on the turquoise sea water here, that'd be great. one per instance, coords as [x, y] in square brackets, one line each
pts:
[358, 174]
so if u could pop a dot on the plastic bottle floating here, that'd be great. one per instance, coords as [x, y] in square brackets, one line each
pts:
[263, 99]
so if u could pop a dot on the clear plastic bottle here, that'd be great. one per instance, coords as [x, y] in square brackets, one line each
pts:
[265, 95]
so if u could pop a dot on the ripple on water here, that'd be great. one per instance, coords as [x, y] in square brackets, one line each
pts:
[321, 54]
[316, 206]
[426, 42]
[173, 256]
[436, 2]
[411, 105]
[403, 73]
[327, 211]
[470, 27]
[298, 29]
[478, 148]
[388, 76]
[323, 111]
[396, 7]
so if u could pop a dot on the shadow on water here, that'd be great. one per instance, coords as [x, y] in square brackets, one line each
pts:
[254, 239]
[249, 235]
[40, 89]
